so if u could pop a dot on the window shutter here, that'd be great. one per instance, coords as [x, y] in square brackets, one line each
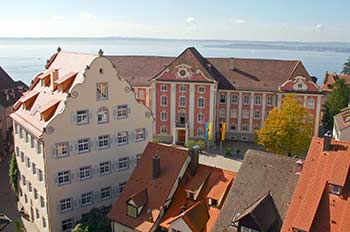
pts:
[53, 151]
[129, 110]
[115, 110]
[75, 204]
[131, 136]
[76, 149]
[90, 116]
[92, 144]
[74, 118]
[116, 139]
[71, 147]
[96, 196]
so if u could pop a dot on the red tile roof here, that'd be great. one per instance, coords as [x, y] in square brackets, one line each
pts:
[342, 119]
[330, 79]
[172, 161]
[313, 207]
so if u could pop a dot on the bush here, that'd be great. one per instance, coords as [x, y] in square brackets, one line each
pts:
[95, 220]
[13, 173]
[228, 150]
[191, 143]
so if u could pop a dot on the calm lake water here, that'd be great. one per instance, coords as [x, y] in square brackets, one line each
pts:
[23, 58]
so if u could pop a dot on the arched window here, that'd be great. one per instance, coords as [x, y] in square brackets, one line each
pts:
[102, 115]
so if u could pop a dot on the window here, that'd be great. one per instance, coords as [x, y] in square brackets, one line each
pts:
[83, 145]
[200, 132]
[256, 127]
[103, 142]
[257, 100]
[106, 193]
[182, 101]
[132, 211]
[66, 204]
[122, 186]
[102, 115]
[310, 103]
[38, 147]
[16, 128]
[22, 156]
[234, 99]
[122, 137]
[20, 132]
[269, 100]
[234, 113]
[245, 127]
[222, 98]
[201, 102]
[257, 114]
[40, 175]
[42, 202]
[67, 225]
[25, 198]
[17, 151]
[37, 213]
[123, 163]
[142, 94]
[122, 111]
[35, 193]
[85, 173]
[27, 136]
[44, 222]
[233, 127]
[201, 89]
[200, 118]
[105, 167]
[182, 88]
[246, 100]
[163, 100]
[163, 88]
[163, 116]
[32, 141]
[24, 182]
[28, 162]
[61, 149]
[82, 117]
[102, 91]
[140, 134]
[138, 158]
[163, 130]
[86, 199]
[246, 229]
[30, 187]
[222, 113]
[335, 189]
[63, 177]
[245, 114]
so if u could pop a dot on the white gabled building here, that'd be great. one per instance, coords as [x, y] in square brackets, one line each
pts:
[78, 134]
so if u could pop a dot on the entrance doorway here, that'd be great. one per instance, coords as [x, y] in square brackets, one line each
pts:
[181, 137]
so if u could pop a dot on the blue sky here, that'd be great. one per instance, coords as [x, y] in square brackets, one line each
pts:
[272, 20]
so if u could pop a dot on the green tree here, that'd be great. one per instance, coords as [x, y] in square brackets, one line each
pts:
[287, 131]
[13, 173]
[346, 67]
[338, 99]
[95, 220]
[191, 143]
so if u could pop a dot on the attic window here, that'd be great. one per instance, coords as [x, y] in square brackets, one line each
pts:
[182, 73]
[132, 211]
[213, 202]
[190, 196]
[335, 189]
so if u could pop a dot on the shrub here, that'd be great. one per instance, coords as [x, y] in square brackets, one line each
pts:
[228, 150]
[13, 173]
[191, 143]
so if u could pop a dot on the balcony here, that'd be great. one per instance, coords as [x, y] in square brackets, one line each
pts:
[181, 124]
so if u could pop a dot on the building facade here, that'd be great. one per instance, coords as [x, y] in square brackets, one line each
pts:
[79, 132]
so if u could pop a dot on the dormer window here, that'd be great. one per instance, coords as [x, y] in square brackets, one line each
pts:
[298, 230]
[132, 211]
[136, 203]
[335, 189]
[213, 202]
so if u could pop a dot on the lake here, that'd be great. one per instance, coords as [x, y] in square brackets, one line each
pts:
[23, 58]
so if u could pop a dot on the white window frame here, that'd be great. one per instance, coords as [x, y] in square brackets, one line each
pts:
[123, 163]
[106, 193]
[233, 125]
[256, 127]
[102, 115]
[222, 98]
[63, 177]
[62, 149]
[234, 98]
[200, 132]
[182, 101]
[269, 100]
[201, 103]
[257, 100]
[163, 100]
[257, 114]
[245, 114]
[163, 116]
[66, 205]
[122, 137]
[311, 103]
[86, 199]
[246, 100]
[102, 91]
[200, 118]
[105, 168]
[182, 88]
[222, 113]
[162, 131]
[140, 134]
[84, 145]
[82, 117]
[122, 111]
[85, 173]
[163, 88]
[245, 126]
[199, 89]
[234, 113]
[67, 224]
[103, 142]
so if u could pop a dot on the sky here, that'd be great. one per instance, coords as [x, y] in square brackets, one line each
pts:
[259, 20]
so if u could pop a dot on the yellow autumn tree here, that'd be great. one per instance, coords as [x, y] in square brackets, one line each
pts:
[288, 130]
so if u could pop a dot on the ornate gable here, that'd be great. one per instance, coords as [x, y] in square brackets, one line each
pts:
[299, 84]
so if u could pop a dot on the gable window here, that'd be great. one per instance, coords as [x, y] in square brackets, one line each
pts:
[310, 103]
[66, 204]
[182, 88]
[335, 189]
[102, 115]
[222, 113]
[82, 117]
[201, 89]
[163, 88]
[140, 134]
[83, 145]
[222, 98]
[234, 113]
[61, 149]
[122, 111]
[200, 118]
[234, 99]
[103, 142]
[163, 100]
[106, 193]
[86, 199]
[123, 163]
[67, 225]
[102, 91]
[163, 116]
[269, 100]
[85, 173]
[105, 167]
[246, 100]
[63, 177]
[122, 137]
[201, 102]
[257, 114]
[245, 114]
[257, 100]
[163, 130]
[182, 101]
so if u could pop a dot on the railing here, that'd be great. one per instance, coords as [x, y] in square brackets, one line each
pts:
[181, 124]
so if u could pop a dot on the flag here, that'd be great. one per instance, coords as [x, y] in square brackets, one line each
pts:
[223, 131]
[208, 129]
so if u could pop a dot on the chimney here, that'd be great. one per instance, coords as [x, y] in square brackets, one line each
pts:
[59, 49]
[194, 159]
[209, 67]
[300, 164]
[53, 78]
[156, 166]
[100, 53]
[327, 141]
[232, 63]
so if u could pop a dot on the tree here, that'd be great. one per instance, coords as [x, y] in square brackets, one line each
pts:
[346, 67]
[13, 173]
[338, 99]
[287, 131]
[95, 220]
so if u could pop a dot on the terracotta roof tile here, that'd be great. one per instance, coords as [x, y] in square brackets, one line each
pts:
[330, 79]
